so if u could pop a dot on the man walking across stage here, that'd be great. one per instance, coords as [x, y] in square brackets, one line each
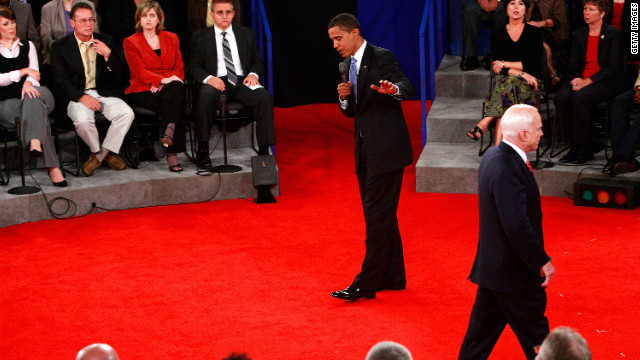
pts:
[511, 267]
[382, 149]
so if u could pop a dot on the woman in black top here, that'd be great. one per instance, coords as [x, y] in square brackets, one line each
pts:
[517, 50]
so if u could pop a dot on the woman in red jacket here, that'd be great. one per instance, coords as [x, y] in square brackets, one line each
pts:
[157, 76]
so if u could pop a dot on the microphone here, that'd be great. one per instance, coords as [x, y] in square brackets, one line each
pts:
[343, 72]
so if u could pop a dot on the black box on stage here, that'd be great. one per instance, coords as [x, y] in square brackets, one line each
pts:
[264, 170]
[606, 193]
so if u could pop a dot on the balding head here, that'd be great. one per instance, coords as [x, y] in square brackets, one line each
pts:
[388, 350]
[564, 343]
[97, 352]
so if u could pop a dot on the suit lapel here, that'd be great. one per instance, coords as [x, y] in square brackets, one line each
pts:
[213, 49]
[241, 44]
[364, 70]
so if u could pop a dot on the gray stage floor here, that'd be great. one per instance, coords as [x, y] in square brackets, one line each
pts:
[150, 185]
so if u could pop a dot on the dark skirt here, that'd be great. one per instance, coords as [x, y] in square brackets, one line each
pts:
[507, 91]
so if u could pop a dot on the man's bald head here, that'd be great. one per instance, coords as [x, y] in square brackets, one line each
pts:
[97, 352]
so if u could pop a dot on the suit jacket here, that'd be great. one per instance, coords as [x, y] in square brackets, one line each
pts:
[204, 57]
[69, 80]
[26, 25]
[146, 68]
[378, 117]
[556, 11]
[611, 55]
[53, 25]
[510, 244]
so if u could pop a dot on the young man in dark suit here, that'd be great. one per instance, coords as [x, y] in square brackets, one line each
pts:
[235, 72]
[84, 73]
[511, 267]
[382, 150]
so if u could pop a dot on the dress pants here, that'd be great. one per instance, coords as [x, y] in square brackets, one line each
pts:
[625, 138]
[115, 110]
[472, 13]
[493, 310]
[259, 100]
[168, 103]
[34, 116]
[574, 109]
[383, 263]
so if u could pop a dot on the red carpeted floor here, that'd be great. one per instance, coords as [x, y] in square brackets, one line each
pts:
[198, 281]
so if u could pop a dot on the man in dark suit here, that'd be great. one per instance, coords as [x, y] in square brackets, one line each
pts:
[511, 267]
[25, 24]
[235, 71]
[84, 78]
[382, 150]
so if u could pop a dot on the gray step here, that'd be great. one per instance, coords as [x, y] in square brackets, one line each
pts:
[453, 168]
[451, 81]
[450, 118]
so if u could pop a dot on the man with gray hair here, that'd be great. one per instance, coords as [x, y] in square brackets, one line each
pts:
[564, 343]
[97, 352]
[511, 267]
[389, 350]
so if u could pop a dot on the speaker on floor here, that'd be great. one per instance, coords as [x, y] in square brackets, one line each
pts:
[265, 174]
[606, 193]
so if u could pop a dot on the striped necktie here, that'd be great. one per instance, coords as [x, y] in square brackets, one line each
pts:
[228, 60]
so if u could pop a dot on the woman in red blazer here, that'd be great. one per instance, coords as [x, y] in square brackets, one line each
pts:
[157, 76]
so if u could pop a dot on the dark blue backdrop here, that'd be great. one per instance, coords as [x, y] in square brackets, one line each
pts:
[394, 25]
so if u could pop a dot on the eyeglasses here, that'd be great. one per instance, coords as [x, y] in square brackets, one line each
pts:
[223, 13]
[85, 21]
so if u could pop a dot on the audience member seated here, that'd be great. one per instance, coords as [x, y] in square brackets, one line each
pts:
[518, 50]
[625, 138]
[226, 60]
[200, 18]
[24, 20]
[234, 356]
[157, 76]
[22, 98]
[84, 80]
[97, 352]
[388, 350]
[596, 74]
[56, 23]
[474, 11]
[564, 343]
[551, 17]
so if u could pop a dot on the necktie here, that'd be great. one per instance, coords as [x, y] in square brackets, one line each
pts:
[228, 60]
[353, 77]
[529, 166]
[89, 72]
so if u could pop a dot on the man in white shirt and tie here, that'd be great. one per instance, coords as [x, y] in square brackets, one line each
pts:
[226, 60]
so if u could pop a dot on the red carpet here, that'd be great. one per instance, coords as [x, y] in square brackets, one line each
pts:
[201, 280]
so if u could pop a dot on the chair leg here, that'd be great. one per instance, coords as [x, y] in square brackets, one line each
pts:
[5, 173]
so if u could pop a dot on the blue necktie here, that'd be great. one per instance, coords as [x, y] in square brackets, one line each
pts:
[353, 77]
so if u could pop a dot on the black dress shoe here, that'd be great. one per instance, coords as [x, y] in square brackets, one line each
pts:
[584, 155]
[626, 166]
[609, 169]
[469, 63]
[351, 294]
[570, 157]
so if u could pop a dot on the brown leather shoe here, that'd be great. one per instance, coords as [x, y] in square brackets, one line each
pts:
[115, 161]
[90, 165]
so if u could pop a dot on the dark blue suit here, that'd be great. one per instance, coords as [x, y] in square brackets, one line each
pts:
[509, 257]
[382, 150]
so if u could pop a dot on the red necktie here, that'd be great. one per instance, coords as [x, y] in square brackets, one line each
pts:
[529, 166]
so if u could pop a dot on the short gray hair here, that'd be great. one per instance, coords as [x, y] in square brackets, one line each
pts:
[388, 350]
[564, 343]
[517, 117]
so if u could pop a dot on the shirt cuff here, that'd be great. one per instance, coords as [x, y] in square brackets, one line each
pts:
[344, 104]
